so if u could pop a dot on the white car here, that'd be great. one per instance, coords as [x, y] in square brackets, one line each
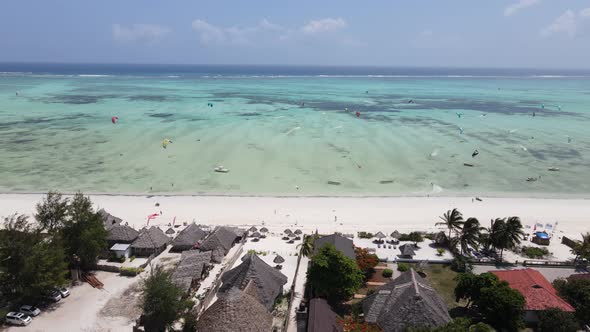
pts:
[29, 310]
[18, 318]
[54, 296]
[64, 292]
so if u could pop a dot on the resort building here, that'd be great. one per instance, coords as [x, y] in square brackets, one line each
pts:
[188, 238]
[341, 243]
[407, 250]
[151, 241]
[537, 291]
[108, 219]
[121, 234]
[267, 280]
[191, 268]
[219, 242]
[408, 301]
[322, 318]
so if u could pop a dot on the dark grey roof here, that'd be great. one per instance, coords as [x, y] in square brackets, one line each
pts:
[255, 234]
[287, 231]
[151, 238]
[298, 232]
[395, 235]
[407, 301]
[252, 229]
[122, 233]
[268, 280]
[170, 231]
[408, 249]
[380, 235]
[278, 260]
[221, 237]
[190, 267]
[321, 317]
[236, 310]
[188, 237]
[108, 219]
[340, 242]
[264, 230]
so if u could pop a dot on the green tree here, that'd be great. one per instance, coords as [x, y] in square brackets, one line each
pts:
[582, 248]
[556, 320]
[306, 247]
[469, 236]
[334, 276]
[577, 293]
[162, 304]
[506, 234]
[452, 220]
[469, 286]
[501, 306]
[30, 263]
[415, 237]
[52, 212]
[83, 232]
[366, 261]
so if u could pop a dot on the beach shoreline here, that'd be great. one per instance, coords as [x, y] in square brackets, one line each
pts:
[325, 214]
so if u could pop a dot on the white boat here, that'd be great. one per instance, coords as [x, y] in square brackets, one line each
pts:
[221, 169]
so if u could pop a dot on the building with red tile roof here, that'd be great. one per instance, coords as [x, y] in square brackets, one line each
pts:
[538, 292]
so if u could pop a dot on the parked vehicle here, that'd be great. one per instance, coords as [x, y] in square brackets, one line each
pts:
[18, 318]
[64, 292]
[29, 310]
[54, 296]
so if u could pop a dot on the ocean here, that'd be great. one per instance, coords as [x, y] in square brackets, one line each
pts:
[280, 130]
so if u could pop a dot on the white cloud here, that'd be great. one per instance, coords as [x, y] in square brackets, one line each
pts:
[518, 6]
[569, 23]
[209, 33]
[323, 25]
[139, 32]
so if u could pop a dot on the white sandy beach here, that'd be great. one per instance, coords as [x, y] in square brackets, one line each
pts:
[327, 214]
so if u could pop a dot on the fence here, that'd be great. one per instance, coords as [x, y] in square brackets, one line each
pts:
[292, 295]
[548, 263]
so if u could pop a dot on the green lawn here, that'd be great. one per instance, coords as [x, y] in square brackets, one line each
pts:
[442, 279]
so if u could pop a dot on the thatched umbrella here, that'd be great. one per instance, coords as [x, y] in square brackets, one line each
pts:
[252, 229]
[292, 235]
[264, 230]
[287, 231]
[278, 260]
[380, 235]
[395, 234]
[255, 234]
[298, 232]
[170, 231]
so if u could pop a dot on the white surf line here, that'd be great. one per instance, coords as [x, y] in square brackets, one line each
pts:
[292, 130]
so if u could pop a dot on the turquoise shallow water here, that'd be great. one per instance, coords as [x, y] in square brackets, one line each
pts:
[57, 134]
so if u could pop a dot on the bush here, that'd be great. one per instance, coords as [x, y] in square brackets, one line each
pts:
[365, 235]
[413, 237]
[132, 258]
[387, 273]
[403, 267]
[440, 251]
[130, 271]
[534, 252]
[461, 264]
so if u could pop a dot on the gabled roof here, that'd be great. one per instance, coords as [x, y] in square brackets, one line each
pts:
[122, 233]
[407, 301]
[151, 238]
[189, 236]
[537, 291]
[407, 249]
[221, 237]
[267, 280]
[340, 242]
[236, 310]
[190, 267]
[321, 317]
[108, 219]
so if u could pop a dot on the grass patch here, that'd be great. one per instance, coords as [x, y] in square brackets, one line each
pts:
[442, 279]
[534, 252]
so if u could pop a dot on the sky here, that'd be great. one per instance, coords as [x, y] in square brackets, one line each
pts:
[451, 33]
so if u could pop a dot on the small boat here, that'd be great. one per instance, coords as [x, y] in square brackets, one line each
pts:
[221, 169]
[386, 181]
[531, 179]
[468, 165]
[478, 199]
[554, 169]
[335, 183]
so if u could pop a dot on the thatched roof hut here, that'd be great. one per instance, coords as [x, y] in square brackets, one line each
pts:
[190, 268]
[380, 235]
[222, 238]
[121, 234]
[395, 235]
[236, 310]
[170, 231]
[407, 301]
[264, 230]
[322, 318]
[267, 280]
[341, 243]
[255, 234]
[187, 238]
[287, 231]
[150, 241]
[298, 232]
[108, 219]
[252, 229]
[278, 259]
[408, 250]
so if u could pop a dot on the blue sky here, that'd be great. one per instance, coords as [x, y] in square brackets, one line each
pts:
[465, 33]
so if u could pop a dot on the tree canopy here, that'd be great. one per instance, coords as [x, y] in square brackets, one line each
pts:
[577, 293]
[366, 261]
[469, 286]
[501, 306]
[453, 220]
[556, 320]
[334, 276]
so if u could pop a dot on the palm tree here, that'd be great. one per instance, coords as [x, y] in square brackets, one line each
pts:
[582, 248]
[307, 245]
[506, 233]
[470, 235]
[452, 219]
